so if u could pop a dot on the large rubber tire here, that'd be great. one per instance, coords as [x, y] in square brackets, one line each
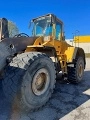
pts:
[20, 76]
[75, 74]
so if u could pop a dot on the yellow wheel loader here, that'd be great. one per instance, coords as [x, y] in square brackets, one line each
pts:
[29, 65]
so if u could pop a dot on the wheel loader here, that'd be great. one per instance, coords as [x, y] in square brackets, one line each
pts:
[29, 65]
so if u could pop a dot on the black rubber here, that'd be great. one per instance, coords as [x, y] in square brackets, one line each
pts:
[18, 79]
[21, 35]
[72, 71]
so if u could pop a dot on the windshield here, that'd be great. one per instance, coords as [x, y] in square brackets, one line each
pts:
[42, 26]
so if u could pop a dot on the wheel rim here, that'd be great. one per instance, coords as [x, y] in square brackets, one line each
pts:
[80, 70]
[40, 82]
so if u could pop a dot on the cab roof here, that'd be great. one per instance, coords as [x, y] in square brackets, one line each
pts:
[49, 14]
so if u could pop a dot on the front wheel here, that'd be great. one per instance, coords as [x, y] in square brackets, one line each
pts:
[31, 78]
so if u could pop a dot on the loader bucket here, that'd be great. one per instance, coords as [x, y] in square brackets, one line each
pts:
[11, 46]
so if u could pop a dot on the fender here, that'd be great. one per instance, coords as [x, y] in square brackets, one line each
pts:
[73, 52]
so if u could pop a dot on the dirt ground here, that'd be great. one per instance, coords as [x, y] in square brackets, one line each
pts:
[68, 102]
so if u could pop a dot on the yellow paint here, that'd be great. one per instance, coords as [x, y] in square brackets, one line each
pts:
[38, 41]
[69, 53]
[63, 50]
[30, 48]
[82, 39]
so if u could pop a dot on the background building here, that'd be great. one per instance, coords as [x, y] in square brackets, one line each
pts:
[81, 41]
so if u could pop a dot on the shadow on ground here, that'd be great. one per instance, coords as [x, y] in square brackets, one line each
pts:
[65, 99]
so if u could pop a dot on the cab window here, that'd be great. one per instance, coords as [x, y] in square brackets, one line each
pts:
[58, 30]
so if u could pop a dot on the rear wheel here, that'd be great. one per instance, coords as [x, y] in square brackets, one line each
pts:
[31, 78]
[75, 74]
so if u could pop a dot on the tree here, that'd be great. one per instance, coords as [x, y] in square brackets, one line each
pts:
[12, 28]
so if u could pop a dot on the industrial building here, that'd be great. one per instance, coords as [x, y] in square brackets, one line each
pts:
[81, 41]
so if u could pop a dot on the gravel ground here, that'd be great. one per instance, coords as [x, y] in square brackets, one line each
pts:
[68, 102]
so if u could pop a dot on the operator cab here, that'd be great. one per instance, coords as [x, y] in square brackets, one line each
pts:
[48, 25]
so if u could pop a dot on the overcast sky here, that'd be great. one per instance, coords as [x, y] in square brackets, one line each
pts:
[74, 13]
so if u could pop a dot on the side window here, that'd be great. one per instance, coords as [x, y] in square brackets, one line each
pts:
[58, 31]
